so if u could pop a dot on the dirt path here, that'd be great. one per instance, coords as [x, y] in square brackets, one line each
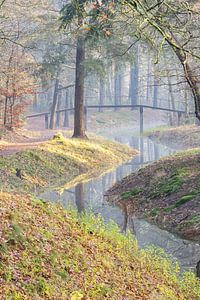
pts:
[17, 147]
[15, 142]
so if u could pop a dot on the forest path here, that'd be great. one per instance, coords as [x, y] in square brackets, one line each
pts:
[8, 149]
[17, 143]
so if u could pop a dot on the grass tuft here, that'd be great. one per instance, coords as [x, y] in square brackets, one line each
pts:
[134, 192]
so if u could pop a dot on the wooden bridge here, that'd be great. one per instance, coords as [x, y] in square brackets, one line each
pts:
[140, 107]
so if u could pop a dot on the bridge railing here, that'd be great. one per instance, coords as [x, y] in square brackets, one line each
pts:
[141, 108]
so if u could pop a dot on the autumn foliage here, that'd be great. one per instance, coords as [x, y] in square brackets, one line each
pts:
[16, 88]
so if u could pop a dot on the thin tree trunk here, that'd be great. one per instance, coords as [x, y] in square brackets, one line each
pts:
[79, 197]
[66, 115]
[109, 89]
[58, 108]
[5, 111]
[172, 99]
[101, 93]
[117, 87]
[134, 80]
[155, 92]
[79, 129]
[54, 104]
[35, 102]
[148, 82]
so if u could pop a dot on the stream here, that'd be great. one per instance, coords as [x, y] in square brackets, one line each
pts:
[90, 196]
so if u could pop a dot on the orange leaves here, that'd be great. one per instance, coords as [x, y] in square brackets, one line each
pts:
[16, 87]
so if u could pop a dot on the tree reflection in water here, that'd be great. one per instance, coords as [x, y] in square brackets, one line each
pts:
[79, 197]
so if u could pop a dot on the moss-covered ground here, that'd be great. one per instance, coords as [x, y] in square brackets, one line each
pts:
[166, 193]
[49, 253]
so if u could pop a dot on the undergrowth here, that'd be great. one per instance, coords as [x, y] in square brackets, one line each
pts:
[49, 253]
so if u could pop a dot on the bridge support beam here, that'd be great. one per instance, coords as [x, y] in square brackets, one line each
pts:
[141, 120]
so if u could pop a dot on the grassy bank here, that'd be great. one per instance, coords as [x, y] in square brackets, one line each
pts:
[49, 253]
[166, 193]
[183, 137]
[60, 162]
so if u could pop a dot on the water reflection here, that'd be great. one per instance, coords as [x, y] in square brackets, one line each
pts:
[79, 197]
[89, 196]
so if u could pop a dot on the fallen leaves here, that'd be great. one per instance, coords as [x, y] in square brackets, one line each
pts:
[55, 256]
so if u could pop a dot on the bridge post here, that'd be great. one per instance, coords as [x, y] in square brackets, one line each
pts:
[141, 120]
[46, 118]
[85, 116]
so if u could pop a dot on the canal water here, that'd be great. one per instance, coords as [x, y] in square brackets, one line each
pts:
[89, 196]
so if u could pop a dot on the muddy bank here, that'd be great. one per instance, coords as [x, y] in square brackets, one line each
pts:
[166, 193]
[184, 137]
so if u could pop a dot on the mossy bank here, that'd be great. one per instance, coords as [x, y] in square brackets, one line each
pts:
[166, 193]
[60, 162]
[49, 253]
[183, 137]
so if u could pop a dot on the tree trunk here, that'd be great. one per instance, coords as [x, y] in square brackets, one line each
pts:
[155, 91]
[191, 79]
[5, 111]
[79, 129]
[109, 89]
[66, 115]
[79, 197]
[117, 87]
[58, 114]
[101, 93]
[172, 99]
[148, 81]
[134, 81]
[54, 104]
[190, 76]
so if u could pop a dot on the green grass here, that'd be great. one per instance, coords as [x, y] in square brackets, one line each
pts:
[134, 192]
[168, 186]
[180, 202]
[154, 212]
[60, 162]
[194, 220]
[56, 254]
[172, 184]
